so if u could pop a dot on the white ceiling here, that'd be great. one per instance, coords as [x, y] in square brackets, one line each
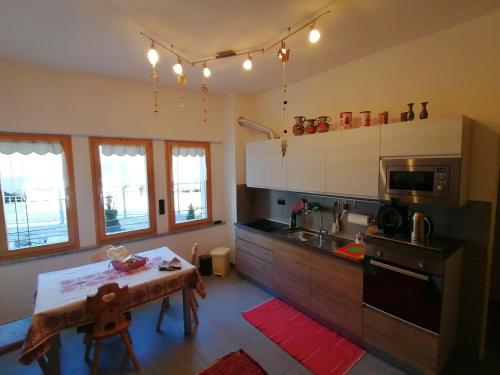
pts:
[102, 36]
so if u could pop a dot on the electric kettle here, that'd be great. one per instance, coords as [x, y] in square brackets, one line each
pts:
[421, 227]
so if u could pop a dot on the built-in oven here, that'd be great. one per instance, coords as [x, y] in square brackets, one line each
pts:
[403, 292]
[421, 180]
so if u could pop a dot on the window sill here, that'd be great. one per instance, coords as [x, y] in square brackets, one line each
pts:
[6, 260]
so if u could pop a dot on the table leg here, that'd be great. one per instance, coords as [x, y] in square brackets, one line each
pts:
[53, 355]
[186, 306]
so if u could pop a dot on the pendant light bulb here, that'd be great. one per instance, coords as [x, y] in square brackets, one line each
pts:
[178, 67]
[153, 55]
[247, 64]
[206, 71]
[314, 34]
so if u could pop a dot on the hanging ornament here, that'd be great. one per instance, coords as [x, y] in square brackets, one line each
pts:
[154, 77]
[181, 82]
[204, 90]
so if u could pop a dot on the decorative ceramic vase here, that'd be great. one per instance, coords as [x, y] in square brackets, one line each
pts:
[382, 118]
[411, 114]
[345, 120]
[404, 116]
[310, 126]
[423, 113]
[298, 127]
[365, 118]
[323, 124]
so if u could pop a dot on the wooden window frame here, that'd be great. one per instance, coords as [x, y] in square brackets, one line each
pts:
[71, 209]
[102, 237]
[170, 184]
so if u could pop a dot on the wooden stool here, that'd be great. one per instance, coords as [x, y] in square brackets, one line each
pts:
[107, 308]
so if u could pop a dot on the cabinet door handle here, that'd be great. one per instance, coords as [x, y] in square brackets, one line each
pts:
[400, 270]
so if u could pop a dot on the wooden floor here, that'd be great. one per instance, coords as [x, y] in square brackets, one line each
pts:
[222, 330]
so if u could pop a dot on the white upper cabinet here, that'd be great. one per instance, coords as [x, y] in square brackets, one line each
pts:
[352, 162]
[275, 170]
[441, 136]
[255, 163]
[305, 163]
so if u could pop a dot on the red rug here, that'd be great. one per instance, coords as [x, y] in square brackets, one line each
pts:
[235, 363]
[318, 348]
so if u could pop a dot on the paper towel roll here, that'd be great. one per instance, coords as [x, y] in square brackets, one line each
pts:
[358, 219]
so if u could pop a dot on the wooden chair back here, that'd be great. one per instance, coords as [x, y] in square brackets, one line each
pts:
[107, 308]
[194, 254]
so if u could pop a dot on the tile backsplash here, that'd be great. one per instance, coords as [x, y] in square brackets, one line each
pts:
[470, 222]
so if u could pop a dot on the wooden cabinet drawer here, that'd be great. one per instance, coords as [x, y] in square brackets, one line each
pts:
[266, 255]
[401, 340]
[292, 267]
[254, 238]
[337, 292]
[255, 268]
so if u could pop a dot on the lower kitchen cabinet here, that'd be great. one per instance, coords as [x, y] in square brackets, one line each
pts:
[410, 344]
[255, 257]
[255, 268]
[292, 273]
[337, 292]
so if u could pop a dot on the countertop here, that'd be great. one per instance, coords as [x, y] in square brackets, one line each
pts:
[280, 231]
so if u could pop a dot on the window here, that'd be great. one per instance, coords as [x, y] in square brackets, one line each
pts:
[190, 198]
[124, 188]
[38, 209]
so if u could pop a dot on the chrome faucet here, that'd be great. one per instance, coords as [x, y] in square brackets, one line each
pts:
[322, 231]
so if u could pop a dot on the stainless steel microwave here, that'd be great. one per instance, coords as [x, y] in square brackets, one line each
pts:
[421, 180]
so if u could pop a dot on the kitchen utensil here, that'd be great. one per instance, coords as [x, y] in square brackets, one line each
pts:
[393, 219]
[421, 227]
[353, 251]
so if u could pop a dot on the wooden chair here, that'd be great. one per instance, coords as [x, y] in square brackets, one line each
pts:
[193, 301]
[110, 320]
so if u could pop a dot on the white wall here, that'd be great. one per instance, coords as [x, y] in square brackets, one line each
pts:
[48, 101]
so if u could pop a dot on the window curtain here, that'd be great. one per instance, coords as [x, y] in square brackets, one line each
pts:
[122, 150]
[188, 151]
[26, 148]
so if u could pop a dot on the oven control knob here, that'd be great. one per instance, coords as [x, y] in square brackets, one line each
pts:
[420, 265]
[380, 253]
[439, 187]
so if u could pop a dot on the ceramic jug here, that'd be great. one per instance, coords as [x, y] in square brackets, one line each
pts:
[298, 127]
[323, 124]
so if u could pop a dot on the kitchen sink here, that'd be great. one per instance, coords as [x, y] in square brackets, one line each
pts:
[304, 235]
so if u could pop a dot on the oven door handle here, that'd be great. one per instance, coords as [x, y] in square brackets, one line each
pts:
[399, 270]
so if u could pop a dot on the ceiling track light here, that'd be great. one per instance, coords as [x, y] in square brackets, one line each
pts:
[247, 64]
[206, 71]
[153, 55]
[178, 67]
[314, 34]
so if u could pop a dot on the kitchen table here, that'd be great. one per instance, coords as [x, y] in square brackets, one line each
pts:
[61, 298]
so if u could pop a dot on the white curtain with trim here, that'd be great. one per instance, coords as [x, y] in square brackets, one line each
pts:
[26, 148]
[188, 151]
[122, 150]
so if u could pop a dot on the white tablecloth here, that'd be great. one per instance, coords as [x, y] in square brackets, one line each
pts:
[60, 290]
